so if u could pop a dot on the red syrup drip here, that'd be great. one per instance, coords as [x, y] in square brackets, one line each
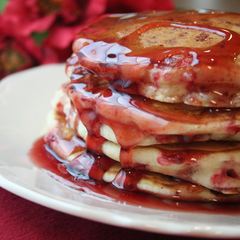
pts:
[94, 143]
[98, 104]
[58, 170]
[89, 166]
[127, 179]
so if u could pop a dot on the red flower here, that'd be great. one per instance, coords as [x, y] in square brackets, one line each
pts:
[13, 57]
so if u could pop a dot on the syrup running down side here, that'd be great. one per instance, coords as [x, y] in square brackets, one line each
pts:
[56, 168]
[137, 176]
[90, 92]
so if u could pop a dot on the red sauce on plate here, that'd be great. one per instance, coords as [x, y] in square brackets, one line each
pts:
[56, 169]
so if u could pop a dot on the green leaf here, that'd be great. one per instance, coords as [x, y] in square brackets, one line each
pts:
[39, 37]
[3, 3]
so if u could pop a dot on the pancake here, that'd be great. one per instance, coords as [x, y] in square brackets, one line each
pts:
[189, 57]
[154, 97]
[80, 165]
[131, 120]
[212, 164]
[61, 104]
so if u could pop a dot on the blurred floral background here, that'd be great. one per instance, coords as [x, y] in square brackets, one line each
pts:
[36, 32]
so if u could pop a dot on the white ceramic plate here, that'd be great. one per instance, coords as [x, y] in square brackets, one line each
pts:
[24, 103]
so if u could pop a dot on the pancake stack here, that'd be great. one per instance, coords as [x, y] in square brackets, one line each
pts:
[152, 105]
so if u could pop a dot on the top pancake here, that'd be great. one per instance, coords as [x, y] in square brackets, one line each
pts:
[187, 57]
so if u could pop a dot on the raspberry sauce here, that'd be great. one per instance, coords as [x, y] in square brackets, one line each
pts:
[43, 159]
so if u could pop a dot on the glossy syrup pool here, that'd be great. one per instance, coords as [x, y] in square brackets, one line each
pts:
[45, 160]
